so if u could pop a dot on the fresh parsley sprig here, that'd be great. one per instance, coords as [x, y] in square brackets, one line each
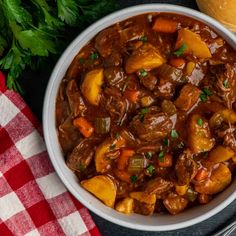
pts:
[35, 29]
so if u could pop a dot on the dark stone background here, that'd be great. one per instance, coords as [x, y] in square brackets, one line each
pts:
[34, 84]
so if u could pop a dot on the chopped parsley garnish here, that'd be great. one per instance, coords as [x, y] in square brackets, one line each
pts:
[81, 61]
[93, 56]
[200, 122]
[150, 169]
[181, 50]
[203, 97]
[142, 114]
[148, 155]
[161, 156]
[112, 146]
[133, 178]
[117, 135]
[225, 83]
[143, 73]
[143, 38]
[174, 133]
[166, 142]
[206, 92]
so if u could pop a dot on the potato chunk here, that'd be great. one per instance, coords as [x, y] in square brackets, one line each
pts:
[175, 203]
[195, 45]
[199, 136]
[143, 203]
[125, 206]
[102, 187]
[220, 154]
[144, 197]
[145, 57]
[91, 86]
[189, 95]
[102, 161]
[220, 116]
[219, 180]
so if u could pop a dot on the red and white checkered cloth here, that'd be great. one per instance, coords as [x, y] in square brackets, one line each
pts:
[33, 201]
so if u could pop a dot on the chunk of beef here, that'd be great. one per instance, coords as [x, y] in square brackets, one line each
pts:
[132, 32]
[115, 104]
[81, 156]
[188, 97]
[68, 135]
[76, 103]
[186, 168]
[225, 84]
[170, 73]
[228, 135]
[165, 89]
[107, 40]
[62, 108]
[151, 125]
[148, 80]
[143, 208]
[158, 186]
[114, 59]
[115, 76]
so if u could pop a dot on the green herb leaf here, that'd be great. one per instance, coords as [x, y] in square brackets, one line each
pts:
[181, 50]
[143, 38]
[133, 178]
[81, 61]
[174, 133]
[93, 56]
[207, 91]
[37, 42]
[200, 122]
[203, 97]
[225, 83]
[32, 30]
[15, 12]
[150, 169]
[161, 156]
[166, 142]
[142, 114]
[143, 73]
[68, 11]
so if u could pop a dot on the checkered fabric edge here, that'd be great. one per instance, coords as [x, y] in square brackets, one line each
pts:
[33, 200]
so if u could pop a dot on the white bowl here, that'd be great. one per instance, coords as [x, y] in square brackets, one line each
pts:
[134, 221]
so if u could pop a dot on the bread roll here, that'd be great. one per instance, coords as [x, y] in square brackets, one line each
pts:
[222, 10]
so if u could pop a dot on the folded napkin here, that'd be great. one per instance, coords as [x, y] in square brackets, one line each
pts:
[33, 200]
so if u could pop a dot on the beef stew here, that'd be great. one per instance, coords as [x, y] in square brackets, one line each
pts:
[146, 114]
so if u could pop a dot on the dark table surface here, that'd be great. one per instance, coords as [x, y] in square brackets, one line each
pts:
[35, 85]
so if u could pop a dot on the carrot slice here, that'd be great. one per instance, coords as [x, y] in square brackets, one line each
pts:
[166, 161]
[124, 157]
[165, 25]
[122, 175]
[84, 126]
[178, 63]
[132, 95]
